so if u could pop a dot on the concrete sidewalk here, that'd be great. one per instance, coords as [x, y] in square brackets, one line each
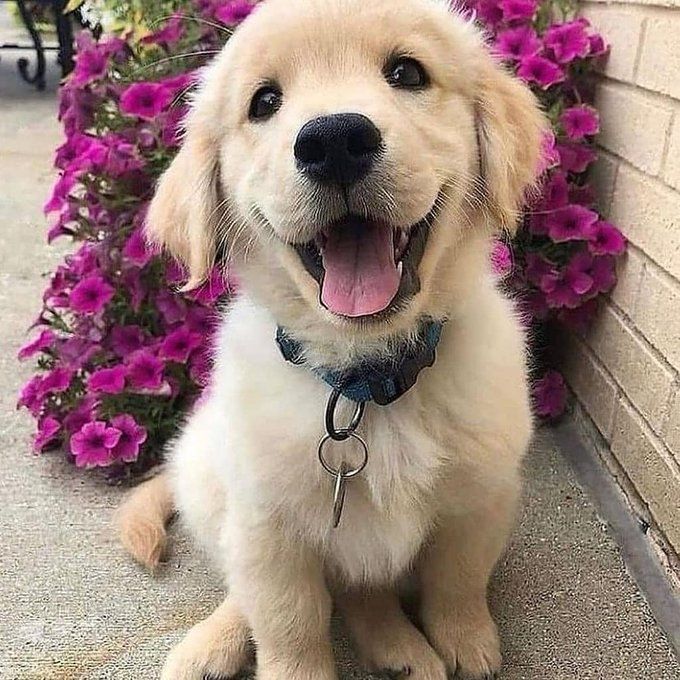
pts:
[73, 606]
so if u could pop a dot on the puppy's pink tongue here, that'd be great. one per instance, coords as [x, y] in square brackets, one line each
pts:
[361, 276]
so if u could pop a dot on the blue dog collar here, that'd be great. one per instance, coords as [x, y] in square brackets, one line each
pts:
[379, 381]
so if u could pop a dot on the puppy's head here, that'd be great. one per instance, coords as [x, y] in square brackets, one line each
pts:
[340, 153]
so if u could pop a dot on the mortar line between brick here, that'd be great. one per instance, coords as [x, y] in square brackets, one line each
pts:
[640, 47]
[667, 144]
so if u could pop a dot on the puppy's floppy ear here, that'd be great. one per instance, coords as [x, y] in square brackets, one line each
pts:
[184, 213]
[510, 128]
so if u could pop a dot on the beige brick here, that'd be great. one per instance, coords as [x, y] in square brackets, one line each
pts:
[629, 270]
[594, 388]
[657, 314]
[602, 176]
[671, 171]
[671, 433]
[621, 27]
[660, 55]
[646, 381]
[650, 468]
[634, 125]
[648, 212]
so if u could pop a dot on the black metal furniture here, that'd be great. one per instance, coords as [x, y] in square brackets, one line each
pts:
[64, 48]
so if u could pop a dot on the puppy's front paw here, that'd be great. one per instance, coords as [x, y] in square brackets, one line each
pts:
[469, 645]
[208, 653]
[402, 652]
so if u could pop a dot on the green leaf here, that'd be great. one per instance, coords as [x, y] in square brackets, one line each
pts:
[72, 5]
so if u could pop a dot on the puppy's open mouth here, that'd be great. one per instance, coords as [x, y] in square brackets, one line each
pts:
[366, 267]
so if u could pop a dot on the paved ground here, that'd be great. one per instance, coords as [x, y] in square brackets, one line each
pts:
[73, 606]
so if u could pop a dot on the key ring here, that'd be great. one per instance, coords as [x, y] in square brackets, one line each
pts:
[344, 473]
[344, 433]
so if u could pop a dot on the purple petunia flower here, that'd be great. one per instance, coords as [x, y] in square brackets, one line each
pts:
[575, 157]
[541, 71]
[57, 380]
[135, 288]
[179, 344]
[91, 295]
[136, 250]
[596, 45]
[77, 351]
[172, 125]
[108, 380]
[561, 294]
[31, 396]
[233, 12]
[44, 341]
[580, 121]
[121, 157]
[501, 259]
[85, 412]
[171, 33]
[91, 64]
[145, 371]
[172, 307]
[567, 41]
[93, 443]
[127, 339]
[145, 100]
[518, 10]
[60, 192]
[216, 286]
[132, 436]
[48, 429]
[555, 192]
[606, 240]
[203, 320]
[549, 157]
[489, 12]
[517, 43]
[603, 272]
[573, 222]
[550, 395]
[539, 271]
[577, 273]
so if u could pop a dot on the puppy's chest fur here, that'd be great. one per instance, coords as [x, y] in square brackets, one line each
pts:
[276, 416]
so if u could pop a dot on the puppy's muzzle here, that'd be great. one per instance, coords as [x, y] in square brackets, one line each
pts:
[338, 149]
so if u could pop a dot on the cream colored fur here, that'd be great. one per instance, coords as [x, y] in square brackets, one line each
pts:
[438, 497]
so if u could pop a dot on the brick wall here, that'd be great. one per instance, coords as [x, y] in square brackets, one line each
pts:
[625, 372]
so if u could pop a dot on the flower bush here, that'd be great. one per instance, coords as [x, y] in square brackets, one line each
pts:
[563, 259]
[121, 354]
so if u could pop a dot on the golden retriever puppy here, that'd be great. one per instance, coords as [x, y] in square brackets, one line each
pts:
[352, 159]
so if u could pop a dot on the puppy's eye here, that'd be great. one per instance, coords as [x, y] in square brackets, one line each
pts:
[265, 103]
[406, 73]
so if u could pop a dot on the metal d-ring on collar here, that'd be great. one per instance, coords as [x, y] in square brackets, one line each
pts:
[340, 435]
[344, 472]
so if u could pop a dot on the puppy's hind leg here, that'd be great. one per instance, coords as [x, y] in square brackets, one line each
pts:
[216, 648]
[384, 637]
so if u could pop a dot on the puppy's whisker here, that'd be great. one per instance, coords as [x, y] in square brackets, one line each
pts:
[199, 20]
[174, 57]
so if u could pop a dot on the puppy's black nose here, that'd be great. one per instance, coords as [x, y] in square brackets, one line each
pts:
[337, 149]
